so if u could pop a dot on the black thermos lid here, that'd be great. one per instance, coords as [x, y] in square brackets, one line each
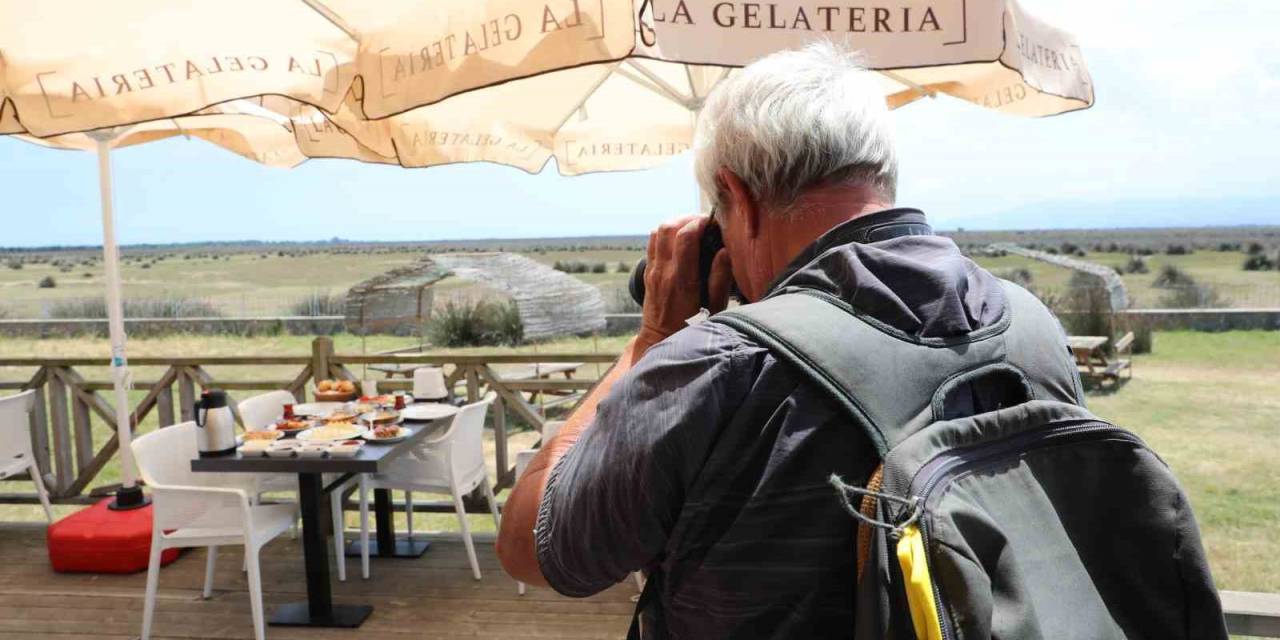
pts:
[213, 398]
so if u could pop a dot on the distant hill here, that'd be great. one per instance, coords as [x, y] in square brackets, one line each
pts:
[1120, 214]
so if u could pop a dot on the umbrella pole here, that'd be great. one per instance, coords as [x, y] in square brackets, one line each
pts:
[130, 495]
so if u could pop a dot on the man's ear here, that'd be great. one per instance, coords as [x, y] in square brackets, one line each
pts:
[741, 200]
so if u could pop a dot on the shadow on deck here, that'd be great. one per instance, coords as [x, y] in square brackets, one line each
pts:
[429, 597]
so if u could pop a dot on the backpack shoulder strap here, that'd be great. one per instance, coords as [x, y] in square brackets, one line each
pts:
[885, 379]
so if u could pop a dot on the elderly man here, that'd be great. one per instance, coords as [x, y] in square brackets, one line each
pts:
[702, 459]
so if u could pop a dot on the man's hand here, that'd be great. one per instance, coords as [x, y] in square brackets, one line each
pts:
[671, 280]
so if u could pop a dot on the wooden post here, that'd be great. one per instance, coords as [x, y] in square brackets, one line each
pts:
[61, 423]
[39, 422]
[83, 432]
[186, 395]
[321, 354]
[500, 438]
[473, 385]
[164, 404]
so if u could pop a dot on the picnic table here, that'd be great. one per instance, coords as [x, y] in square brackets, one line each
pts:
[1091, 357]
[543, 371]
[319, 609]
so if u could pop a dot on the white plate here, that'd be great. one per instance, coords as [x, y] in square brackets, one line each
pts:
[314, 435]
[367, 420]
[404, 433]
[317, 409]
[428, 411]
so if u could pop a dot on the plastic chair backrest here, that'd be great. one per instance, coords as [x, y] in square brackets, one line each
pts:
[15, 427]
[164, 456]
[260, 411]
[164, 460]
[428, 383]
[466, 437]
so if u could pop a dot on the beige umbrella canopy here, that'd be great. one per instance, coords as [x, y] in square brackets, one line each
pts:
[638, 112]
[119, 64]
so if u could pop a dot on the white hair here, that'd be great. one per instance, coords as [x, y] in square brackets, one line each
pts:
[793, 120]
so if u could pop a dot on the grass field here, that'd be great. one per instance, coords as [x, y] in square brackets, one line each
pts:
[266, 282]
[1208, 403]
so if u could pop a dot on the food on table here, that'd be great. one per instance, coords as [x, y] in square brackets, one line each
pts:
[338, 431]
[341, 415]
[345, 449]
[254, 447]
[381, 416]
[384, 432]
[250, 436]
[291, 425]
[335, 386]
[312, 451]
[381, 399]
[282, 448]
[363, 407]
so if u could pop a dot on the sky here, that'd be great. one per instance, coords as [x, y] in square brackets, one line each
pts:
[1186, 130]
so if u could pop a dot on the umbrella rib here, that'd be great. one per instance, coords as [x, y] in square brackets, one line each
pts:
[333, 18]
[666, 89]
[640, 80]
[582, 104]
[924, 91]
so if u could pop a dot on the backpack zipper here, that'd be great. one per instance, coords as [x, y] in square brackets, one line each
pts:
[948, 466]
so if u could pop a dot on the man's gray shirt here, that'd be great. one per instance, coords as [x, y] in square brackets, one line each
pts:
[707, 463]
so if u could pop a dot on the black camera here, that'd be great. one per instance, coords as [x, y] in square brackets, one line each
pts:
[711, 244]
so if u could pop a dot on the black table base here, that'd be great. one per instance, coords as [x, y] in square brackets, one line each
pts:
[298, 614]
[403, 548]
[386, 545]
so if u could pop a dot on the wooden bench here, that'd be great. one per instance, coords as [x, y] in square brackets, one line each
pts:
[393, 370]
[544, 371]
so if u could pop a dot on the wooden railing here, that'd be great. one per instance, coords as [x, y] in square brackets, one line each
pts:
[63, 425]
[63, 422]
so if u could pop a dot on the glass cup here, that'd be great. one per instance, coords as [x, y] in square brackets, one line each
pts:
[288, 412]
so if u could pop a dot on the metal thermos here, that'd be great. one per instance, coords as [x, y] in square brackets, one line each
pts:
[216, 426]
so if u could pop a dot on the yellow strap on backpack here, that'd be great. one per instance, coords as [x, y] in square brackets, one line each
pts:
[915, 572]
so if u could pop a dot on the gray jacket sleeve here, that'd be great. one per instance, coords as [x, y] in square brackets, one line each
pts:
[612, 500]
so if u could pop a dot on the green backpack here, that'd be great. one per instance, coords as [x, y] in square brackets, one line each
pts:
[1002, 508]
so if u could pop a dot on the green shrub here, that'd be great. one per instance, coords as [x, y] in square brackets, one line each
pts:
[1259, 262]
[1171, 276]
[470, 323]
[1178, 250]
[1135, 265]
[15, 265]
[599, 267]
[623, 267]
[47, 282]
[319, 303]
[1255, 248]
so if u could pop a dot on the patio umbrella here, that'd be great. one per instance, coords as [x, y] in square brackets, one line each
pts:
[121, 74]
[638, 112]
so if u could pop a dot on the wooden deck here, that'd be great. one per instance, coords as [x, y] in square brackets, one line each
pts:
[427, 598]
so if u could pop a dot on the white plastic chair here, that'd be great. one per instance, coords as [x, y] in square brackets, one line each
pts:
[16, 451]
[202, 510]
[451, 463]
[428, 384]
[260, 412]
